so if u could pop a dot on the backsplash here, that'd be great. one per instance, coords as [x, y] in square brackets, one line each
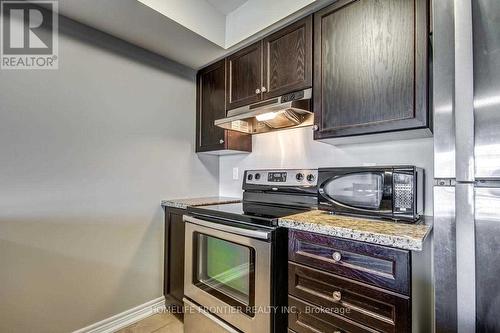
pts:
[296, 149]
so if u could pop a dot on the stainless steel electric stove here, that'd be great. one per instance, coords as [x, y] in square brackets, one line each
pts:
[235, 255]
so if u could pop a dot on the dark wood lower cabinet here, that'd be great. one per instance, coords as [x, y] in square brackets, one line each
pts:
[308, 318]
[173, 284]
[377, 265]
[369, 306]
[338, 285]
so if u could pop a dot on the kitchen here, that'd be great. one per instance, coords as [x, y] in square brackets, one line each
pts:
[335, 161]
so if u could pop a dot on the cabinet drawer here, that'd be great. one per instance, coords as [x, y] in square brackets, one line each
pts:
[307, 318]
[373, 264]
[369, 306]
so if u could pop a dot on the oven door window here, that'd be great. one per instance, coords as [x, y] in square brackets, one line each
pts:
[360, 190]
[226, 270]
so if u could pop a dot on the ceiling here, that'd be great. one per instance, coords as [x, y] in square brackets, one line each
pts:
[226, 6]
[191, 32]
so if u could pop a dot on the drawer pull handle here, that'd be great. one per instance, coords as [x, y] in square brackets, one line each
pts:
[337, 296]
[336, 256]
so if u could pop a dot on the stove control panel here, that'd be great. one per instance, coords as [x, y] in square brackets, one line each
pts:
[282, 177]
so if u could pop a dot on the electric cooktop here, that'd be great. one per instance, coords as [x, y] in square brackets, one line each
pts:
[246, 212]
[267, 196]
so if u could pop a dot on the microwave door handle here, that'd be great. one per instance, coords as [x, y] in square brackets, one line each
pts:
[358, 208]
[227, 228]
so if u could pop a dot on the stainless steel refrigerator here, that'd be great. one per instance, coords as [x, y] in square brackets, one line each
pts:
[466, 98]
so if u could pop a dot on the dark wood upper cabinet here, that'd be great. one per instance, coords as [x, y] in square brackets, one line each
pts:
[288, 59]
[371, 67]
[211, 105]
[279, 64]
[244, 76]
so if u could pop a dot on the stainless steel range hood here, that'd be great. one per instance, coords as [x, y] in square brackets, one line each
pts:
[284, 112]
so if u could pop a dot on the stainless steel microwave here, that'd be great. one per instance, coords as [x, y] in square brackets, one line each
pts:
[394, 192]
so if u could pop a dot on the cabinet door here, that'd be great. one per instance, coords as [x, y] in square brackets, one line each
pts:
[244, 76]
[210, 106]
[370, 67]
[288, 59]
[369, 306]
[174, 259]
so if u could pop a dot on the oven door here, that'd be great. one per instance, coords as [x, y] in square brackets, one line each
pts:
[361, 192]
[228, 271]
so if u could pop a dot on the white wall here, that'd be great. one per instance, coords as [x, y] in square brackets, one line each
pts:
[256, 15]
[197, 15]
[296, 149]
[87, 152]
[228, 30]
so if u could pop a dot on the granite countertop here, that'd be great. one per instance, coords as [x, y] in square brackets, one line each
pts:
[203, 201]
[399, 235]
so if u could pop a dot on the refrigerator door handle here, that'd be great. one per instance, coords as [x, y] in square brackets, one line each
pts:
[466, 257]
[464, 92]
[464, 167]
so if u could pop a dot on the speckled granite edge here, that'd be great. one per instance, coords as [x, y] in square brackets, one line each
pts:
[202, 201]
[396, 241]
[173, 204]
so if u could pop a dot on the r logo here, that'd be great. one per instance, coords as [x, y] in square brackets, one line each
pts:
[28, 29]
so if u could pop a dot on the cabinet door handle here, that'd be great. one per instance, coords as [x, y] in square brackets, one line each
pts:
[221, 141]
[315, 127]
[336, 256]
[337, 296]
[264, 89]
[257, 91]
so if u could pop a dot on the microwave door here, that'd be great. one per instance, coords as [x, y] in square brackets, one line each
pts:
[358, 192]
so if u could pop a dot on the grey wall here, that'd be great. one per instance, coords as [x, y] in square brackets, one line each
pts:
[297, 149]
[86, 154]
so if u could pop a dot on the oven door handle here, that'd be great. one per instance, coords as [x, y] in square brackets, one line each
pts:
[194, 307]
[227, 228]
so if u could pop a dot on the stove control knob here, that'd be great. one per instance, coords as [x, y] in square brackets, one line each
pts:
[299, 176]
[257, 176]
[250, 177]
[310, 177]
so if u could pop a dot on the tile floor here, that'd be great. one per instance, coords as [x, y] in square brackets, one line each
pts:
[158, 323]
